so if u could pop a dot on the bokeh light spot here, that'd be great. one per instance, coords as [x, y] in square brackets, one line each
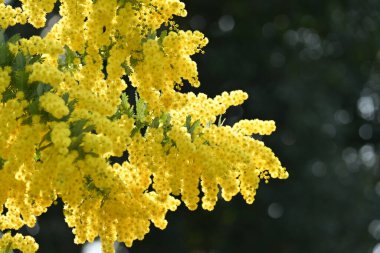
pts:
[367, 155]
[374, 229]
[377, 188]
[376, 249]
[275, 210]
[226, 23]
[365, 132]
[94, 247]
[329, 129]
[342, 117]
[318, 169]
[366, 107]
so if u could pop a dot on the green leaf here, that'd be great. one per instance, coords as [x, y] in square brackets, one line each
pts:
[71, 104]
[123, 108]
[134, 131]
[141, 109]
[65, 97]
[166, 126]
[5, 55]
[75, 142]
[76, 127]
[14, 38]
[70, 55]
[88, 129]
[8, 94]
[150, 36]
[165, 119]
[37, 155]
[42, 88]
[35, 58]
[130, 112]
[128, 70]
[163, 34]
[34, 108]
[191, 127]
[78, 130]
[139, 125]
[2, 36]
[8, 249]
[2, 162]
[165, 140]
[19, 61]
[194, 126]
[121, 3]
[188, 123]
[124, 101]
[46, 146]
[155, 122]
[134, 61]
[20, 79]
[67, 61]
[220, 121]
[27, 121]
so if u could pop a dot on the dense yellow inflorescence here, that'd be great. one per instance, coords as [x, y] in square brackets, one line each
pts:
[25, 244]
[65, 117]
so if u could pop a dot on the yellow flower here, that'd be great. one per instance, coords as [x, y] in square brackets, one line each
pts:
[54, 104]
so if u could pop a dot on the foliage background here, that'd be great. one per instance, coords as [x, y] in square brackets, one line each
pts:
[313, 67]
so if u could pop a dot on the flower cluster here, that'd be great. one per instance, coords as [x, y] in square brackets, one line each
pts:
[53, 104]
[65, 118]
[25, 244]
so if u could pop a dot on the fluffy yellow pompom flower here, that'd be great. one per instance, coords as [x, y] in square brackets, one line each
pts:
[60, 137]
[54, 104]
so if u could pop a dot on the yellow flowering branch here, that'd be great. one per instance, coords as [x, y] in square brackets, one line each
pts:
[65, 117]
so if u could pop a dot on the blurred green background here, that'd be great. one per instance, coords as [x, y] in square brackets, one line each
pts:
[313, 66]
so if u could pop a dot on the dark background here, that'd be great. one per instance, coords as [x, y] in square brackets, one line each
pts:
[313, 66]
